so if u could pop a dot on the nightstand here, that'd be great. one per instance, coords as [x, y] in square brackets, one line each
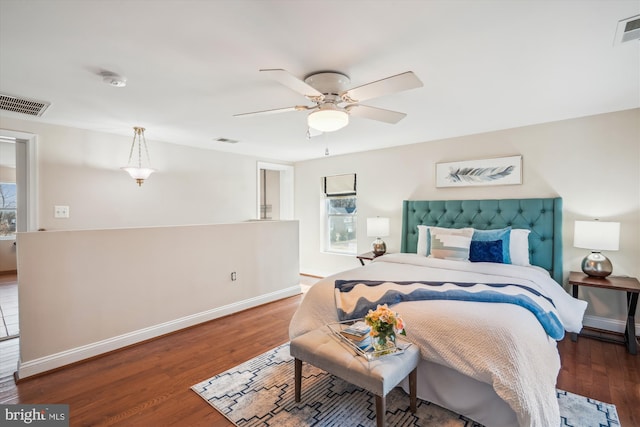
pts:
[630, 285]
[368, 256]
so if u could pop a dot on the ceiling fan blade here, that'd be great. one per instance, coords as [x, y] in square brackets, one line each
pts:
[393, 84]
[274, 111]
[292, 82]
[374, 113]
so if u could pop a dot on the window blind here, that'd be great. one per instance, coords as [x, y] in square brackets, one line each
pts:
[340, 185]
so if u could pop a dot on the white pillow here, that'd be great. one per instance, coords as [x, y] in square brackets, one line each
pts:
[519, 246]
[423, 240]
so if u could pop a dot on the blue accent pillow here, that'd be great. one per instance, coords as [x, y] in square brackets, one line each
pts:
[502, 234]
[490, 251]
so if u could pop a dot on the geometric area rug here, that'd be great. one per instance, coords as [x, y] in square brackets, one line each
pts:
[260, 392]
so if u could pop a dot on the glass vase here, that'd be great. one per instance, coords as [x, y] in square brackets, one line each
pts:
[384, 342]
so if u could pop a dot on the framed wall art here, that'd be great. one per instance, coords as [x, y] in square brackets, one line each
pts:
[498, 171]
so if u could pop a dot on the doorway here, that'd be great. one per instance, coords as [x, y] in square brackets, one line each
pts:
[18, 165]
[25, 169]
[8, 205]
[275, 191]
[8, 262]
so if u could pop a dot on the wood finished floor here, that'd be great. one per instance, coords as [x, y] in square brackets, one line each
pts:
[149, 384]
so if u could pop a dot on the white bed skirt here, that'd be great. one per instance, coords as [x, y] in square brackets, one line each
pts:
[473, 399]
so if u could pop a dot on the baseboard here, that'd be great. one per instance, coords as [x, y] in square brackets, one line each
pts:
[8, 272]
[607, 324]
[314, 273]
[57, 360]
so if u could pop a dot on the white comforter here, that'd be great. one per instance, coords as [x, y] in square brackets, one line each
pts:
[502, 345]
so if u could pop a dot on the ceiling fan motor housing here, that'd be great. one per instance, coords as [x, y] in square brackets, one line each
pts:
[330, 84]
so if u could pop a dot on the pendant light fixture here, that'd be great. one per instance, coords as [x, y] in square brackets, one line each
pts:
[138, 172]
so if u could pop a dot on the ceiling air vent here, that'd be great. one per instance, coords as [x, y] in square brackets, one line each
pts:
[628, 29]
[23, 105]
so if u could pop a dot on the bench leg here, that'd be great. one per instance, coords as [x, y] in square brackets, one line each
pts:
[298, 378]
[381, 410]
[413, 385]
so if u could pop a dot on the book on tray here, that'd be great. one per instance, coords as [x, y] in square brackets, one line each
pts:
[357, 331]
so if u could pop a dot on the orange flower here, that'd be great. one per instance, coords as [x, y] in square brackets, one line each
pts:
[383, 319]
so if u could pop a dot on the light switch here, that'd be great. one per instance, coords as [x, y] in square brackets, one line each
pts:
[61, 212]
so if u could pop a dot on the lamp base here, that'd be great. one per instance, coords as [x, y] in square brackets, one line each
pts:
[378, 247]
[596, 265]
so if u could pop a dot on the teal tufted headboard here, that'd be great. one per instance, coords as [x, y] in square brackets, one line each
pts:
[542, 216]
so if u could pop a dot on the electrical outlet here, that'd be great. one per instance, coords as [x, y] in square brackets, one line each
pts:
[61, 211]
[233, 276]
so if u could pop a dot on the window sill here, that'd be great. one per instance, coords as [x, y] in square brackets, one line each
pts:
[339, 253]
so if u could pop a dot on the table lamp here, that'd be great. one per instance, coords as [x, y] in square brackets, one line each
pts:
[378, 227]
[597, 236]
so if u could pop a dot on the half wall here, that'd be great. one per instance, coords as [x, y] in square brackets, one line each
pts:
[86, 292]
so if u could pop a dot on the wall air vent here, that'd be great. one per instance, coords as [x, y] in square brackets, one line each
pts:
[227, 140]
[628, 30]
[22, 105]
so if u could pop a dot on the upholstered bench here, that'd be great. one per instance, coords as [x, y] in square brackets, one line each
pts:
[324, 350]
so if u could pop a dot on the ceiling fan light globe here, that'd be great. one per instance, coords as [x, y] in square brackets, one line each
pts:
[328, 120]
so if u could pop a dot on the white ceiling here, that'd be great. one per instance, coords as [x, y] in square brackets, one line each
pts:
[191, 65]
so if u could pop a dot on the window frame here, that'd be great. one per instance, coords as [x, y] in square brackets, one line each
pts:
[339, 187]
[12, 207]
[352, 240]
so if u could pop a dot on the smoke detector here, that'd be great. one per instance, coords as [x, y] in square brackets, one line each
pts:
[113, 79]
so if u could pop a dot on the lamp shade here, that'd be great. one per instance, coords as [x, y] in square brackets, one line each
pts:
[377, 227]
[328, 118]
[138, 173]
[597, 235]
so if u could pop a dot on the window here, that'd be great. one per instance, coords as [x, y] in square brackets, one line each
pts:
[8, 210]
[340, 218]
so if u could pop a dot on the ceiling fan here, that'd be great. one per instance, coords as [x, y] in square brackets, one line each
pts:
[333, 102]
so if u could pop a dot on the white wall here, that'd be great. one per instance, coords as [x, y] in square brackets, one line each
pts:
[81, 169]
[86, 292]
[593, 163]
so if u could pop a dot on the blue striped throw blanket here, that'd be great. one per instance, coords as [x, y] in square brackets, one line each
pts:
[354, 298]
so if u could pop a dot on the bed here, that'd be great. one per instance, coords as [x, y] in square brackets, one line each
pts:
[494, 362]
